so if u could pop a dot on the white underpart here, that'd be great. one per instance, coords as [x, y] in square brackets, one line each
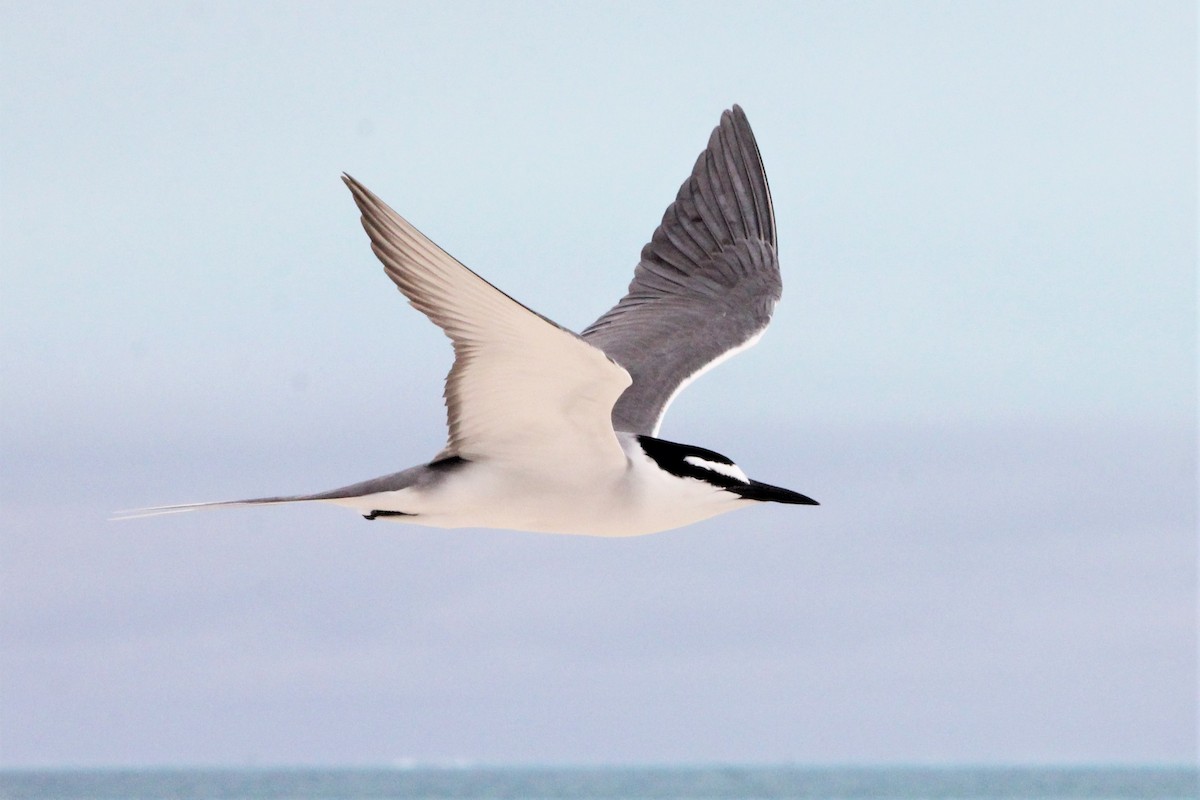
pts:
[596, 500]
[728, 354]
[728, 470]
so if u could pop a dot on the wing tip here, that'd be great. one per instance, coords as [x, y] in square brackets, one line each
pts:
[362, 195]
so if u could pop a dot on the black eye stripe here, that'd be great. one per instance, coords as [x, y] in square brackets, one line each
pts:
[672, 457]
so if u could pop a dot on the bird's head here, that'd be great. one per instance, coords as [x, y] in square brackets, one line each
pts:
[688, 461]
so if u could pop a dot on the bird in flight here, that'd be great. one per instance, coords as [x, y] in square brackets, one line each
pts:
[556, 432]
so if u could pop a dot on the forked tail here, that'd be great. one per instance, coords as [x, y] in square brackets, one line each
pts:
[387, 483]
[156, 511]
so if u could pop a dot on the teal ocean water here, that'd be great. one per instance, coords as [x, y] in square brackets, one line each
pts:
[608, 783]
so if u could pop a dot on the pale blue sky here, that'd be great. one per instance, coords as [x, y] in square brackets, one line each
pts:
[984, 366]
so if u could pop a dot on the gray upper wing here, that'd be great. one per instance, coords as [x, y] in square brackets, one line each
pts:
[706, 284]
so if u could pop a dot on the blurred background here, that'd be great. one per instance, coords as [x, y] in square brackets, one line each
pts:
[983, 366]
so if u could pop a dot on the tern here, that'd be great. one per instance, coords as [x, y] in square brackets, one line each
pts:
[556, 432]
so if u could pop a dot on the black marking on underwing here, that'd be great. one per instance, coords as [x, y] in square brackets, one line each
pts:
[672, 458]
[378, 513]
[449, 462]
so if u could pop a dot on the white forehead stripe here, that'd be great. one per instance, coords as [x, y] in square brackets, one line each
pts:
[728, 470]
